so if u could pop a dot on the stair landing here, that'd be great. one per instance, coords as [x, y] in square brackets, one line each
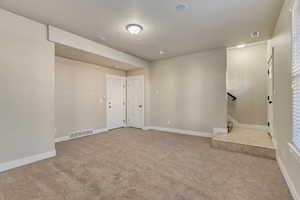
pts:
[248, 141]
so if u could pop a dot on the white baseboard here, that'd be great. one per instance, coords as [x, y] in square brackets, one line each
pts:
[66, 138]
[25, 161]
[287, 178]
[217, 131]
[99, 130]
[234, 121]
[274, 142]
[61, 139]
[179, 131]
[252, 126]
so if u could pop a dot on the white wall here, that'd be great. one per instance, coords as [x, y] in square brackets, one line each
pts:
[283, 98]
[80, 96]
[247, 80]
[189, 91]
[27, 88]
[60, 36]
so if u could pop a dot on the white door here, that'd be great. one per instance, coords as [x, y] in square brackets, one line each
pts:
[116, 106]
[135, 101]
[270, 63]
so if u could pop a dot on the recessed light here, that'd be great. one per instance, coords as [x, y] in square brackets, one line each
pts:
[182, 6]
[134, 28]
[241, 46]
[161, 52]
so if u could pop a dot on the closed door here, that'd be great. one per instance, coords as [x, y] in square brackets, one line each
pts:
[135, 101]
[116, 106]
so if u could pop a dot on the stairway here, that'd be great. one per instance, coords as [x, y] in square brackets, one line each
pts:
[248, 141]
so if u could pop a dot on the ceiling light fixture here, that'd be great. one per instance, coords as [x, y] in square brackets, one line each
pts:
[241, 46]
[161, 52]
[134, 29]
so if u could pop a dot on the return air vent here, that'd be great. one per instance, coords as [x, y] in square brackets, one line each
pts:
[82, 133]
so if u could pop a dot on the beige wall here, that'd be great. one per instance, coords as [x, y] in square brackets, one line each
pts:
[247, 80]
[283, 98]
[27, 88]
[136, 72]
[189, 91]
[80, 96]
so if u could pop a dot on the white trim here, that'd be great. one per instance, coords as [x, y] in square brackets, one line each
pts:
[179, 131]
[234, 121]
[287, 178]
[25, 161]
[295, 152]
[249, 44]
[67, 138]
[115, 76]
[99, 130]
[252, 126]
[61, 139]
[274, 142]
[219, 131]
[141, 77]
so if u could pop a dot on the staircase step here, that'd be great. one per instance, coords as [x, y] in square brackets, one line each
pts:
[259, 151]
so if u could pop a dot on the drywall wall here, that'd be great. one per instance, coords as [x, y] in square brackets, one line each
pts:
[136, 72]
[247, 80]
[189, 92]
[27, 88]
[71, 40]
[80, 96]
[282, 42]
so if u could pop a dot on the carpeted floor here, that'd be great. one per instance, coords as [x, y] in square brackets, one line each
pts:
[138, 165]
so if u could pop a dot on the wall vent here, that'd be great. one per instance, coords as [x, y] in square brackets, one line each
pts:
[82, 133]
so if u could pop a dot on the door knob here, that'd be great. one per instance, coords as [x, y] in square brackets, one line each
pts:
[140, 106]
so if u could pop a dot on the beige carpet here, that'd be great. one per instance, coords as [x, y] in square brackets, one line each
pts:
[135, 164]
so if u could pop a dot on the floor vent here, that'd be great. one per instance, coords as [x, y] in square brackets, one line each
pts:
[81, 133]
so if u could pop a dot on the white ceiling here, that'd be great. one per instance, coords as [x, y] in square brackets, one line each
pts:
[206, 24]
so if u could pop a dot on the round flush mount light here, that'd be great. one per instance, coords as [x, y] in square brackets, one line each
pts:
[161, 52]
[134, 29]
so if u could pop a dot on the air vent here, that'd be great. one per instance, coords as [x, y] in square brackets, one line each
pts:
[255, 35]
[78, 134]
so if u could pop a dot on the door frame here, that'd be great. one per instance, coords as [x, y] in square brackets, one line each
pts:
[271, 91]
[123, 78]
[141, 77]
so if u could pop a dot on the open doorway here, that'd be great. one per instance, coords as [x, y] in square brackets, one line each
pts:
[249, 88]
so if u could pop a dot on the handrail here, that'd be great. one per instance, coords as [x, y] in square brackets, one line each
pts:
[233, 97]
